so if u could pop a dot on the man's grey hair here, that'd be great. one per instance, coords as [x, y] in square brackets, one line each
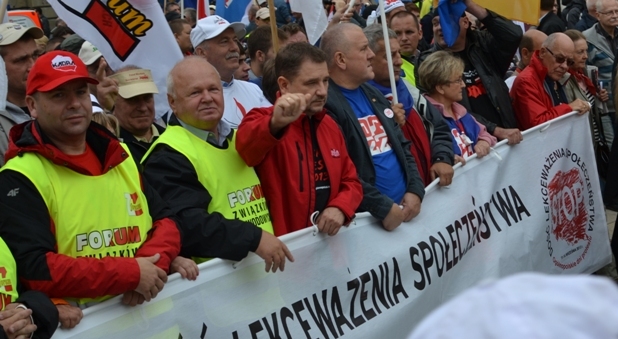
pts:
[374, 34]
[598, 5]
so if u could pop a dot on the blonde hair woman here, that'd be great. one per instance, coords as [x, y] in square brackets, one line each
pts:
[441, 75]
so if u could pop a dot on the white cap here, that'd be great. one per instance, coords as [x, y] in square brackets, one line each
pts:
[528, 305]
[260, 2]
[389, 5]
[263, 13]
[211, 26]
[11, 32]
[89, 53]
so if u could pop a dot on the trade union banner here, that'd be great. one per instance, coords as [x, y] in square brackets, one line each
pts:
[126, 33]
[535, 206]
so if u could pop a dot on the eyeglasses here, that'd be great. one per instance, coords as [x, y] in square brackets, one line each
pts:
[459, 80]
[614, 12]
[561, 59]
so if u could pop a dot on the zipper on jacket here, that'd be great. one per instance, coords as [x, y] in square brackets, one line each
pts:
[300, 167]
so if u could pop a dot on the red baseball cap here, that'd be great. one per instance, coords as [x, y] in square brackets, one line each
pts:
[54, 69]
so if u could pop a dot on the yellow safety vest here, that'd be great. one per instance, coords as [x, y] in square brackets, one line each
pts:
[95, 216]
[408, 70]
[235, 188]
[8, 276]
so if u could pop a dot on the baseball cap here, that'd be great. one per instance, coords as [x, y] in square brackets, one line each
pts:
[260, 2]
[135, 82]
[211, 26]
[73, 43]
[528, 305]
[263, 13]
[55, 68]
[89, 53]
[11, 32]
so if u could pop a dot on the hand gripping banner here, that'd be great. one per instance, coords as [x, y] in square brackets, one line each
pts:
[535, 206]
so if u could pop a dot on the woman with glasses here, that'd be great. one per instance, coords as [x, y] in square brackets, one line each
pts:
[441, 75]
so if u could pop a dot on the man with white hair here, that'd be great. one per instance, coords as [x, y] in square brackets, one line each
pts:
[214, 39]
[602, 42]
[537, 93]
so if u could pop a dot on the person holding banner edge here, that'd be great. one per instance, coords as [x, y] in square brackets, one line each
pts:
[63, 255]
[420, 122]
[192, 163]
[376, 145]
[296, 140]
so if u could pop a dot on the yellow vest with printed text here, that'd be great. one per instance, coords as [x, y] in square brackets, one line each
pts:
[234, 187]
[8, 276]
[94, 216]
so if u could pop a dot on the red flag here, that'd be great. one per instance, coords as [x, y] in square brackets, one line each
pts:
[202, 9]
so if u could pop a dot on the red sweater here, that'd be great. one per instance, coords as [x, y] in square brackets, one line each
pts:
[285, 167]
[531, 102]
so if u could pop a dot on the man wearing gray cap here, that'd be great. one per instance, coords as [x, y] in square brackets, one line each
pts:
[214, 39]
[18, 49]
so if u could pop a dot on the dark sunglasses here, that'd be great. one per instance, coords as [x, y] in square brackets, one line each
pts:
[561, 59]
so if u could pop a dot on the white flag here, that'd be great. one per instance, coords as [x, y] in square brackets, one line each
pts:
[313, 16]
[127, 32]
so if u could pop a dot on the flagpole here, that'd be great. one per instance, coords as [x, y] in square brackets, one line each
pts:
[389, 57]
[273, 26]
[4, 3]
[182, 8]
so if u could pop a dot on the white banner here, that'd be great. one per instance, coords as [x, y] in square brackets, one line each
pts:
[531, 207]
[314, 17]
[127, 32]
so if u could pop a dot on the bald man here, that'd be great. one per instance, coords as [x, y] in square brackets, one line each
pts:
[380, 152]
[537, 94]
[530, 43]
[217, 197]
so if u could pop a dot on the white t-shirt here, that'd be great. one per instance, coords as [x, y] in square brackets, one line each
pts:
[240, 97]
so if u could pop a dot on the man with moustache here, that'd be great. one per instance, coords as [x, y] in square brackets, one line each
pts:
[376, 145]
[215, 40]
[298, 151]
[537, 93]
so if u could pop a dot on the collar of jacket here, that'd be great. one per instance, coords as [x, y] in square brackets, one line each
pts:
[537, 66]
[579, 76]
[28, 137]
[126, 136]
[603, 33]
[173, 121]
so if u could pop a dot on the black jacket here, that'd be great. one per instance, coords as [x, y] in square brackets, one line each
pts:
[572, 13]
[551, 23]
[137, 148]
[340, 110]
[206, 235]
[44, 314]
[490, 52]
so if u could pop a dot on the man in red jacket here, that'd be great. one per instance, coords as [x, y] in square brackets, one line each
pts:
[537, 93]
[75, 212]
[298, 151]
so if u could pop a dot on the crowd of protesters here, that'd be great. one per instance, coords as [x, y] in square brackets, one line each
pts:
[98, 198]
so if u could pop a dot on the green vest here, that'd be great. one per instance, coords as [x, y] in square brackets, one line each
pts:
[234, 187]
[8, 276]
[408, 69]
[94, 216]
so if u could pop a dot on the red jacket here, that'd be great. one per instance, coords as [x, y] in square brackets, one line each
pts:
[29, 231]
[287, 177]
[532, 103]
